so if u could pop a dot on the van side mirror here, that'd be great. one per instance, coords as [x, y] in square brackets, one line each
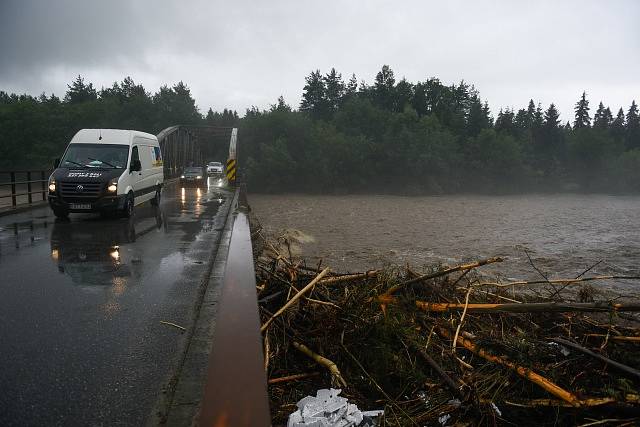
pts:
[135, 166]
[56, 163]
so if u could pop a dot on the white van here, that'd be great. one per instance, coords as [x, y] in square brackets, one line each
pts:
[107, 171]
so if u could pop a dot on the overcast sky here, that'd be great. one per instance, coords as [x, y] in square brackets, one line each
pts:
[242, 53]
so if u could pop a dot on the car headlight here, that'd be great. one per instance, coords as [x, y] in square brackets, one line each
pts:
[113, 186]
[198, 177]
[52, 186]
[181, 176]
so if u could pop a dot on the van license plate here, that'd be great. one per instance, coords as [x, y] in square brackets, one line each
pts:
[81, 206]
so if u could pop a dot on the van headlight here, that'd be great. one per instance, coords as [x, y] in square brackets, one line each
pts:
[182, 176]
[113, 186]
[199, 177]
[52, 186]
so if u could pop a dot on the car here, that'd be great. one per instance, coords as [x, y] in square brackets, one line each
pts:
[108, 171]
[193, 175]
[215, 168]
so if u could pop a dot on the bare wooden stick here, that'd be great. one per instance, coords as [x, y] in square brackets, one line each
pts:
[493, 295]
[537, 379]
[556, 281]
[317, 301]
[615, 337]
[332, 367]
[295, 377]
[613, 363]
[598, 401]
[547, 307]
[464, 312]
[173, 324]
[444, 272]
[295, 298]
[350, 277]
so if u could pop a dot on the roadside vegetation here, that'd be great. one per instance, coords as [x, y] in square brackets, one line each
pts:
[425, 137]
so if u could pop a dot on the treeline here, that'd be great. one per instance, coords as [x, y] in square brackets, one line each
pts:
[35, 130]
[428, 137]
[350, 136]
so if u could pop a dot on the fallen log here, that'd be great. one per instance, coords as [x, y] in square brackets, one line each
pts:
[434, 365]
[615, 337]
[612, 363]
[547, 307]
[556, 281]
[532, 376]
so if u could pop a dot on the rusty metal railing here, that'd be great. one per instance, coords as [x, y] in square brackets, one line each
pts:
[13, 183]
[236, 387]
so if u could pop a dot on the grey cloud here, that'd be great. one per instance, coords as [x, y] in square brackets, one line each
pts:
[242, 53]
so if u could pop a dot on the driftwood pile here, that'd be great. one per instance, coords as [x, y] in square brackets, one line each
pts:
[445, 347]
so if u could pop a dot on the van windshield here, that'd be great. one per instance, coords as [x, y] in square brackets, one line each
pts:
[99, 156]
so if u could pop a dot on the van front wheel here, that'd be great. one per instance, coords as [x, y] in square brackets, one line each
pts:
[127, 211]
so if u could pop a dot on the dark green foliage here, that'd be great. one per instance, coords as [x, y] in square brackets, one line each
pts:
[583, 120]
[633, 127]
[431, 138]
[391, 136]
[35, 131]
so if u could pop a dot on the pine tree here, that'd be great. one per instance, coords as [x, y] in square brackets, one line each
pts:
[618, 126]
[383, 88]
[531, 112]
[334, 89]
[551, 118]
[583, 120]
[520, 120]
[505, 121]
[603, 118]
[352, 86]
[314, 97]
[478, 117]
[80, 92]
[633, 127]
[538, 118]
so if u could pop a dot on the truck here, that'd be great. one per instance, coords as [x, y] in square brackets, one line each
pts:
[108, 171]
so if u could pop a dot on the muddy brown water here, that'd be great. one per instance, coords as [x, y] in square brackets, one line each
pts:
[563, 234]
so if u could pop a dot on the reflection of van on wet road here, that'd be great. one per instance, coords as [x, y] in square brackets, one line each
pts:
[92, 257]
[107, 171]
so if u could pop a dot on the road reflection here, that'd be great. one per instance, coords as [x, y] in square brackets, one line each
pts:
[90, 250]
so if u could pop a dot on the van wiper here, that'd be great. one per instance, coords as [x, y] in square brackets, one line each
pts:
[75, 163]
[103, 162]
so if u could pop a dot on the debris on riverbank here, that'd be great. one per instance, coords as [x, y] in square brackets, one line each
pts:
[445, 346]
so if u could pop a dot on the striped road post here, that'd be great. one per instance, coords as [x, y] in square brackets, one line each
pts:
[231, 171]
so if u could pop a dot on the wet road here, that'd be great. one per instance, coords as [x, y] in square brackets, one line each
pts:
[81, 303]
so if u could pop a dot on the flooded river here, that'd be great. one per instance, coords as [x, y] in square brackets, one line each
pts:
[563, 234]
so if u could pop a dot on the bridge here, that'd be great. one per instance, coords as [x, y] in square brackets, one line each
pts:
[149, 320]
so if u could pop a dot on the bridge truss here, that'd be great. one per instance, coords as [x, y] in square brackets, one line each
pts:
[185, 145]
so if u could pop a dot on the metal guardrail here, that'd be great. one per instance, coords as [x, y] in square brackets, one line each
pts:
[236, 387]
[18, 179]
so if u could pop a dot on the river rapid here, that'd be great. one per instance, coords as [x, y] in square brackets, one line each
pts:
[563, 234]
